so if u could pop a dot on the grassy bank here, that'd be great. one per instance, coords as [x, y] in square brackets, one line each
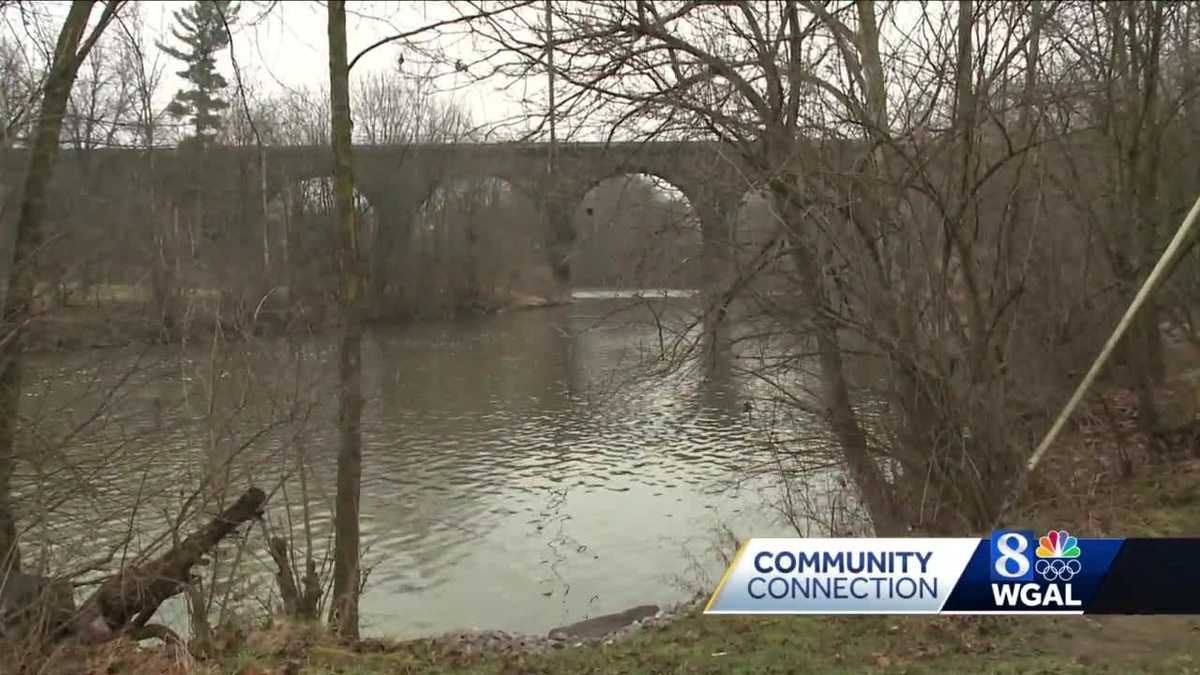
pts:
[699, 644]
[1163, 500]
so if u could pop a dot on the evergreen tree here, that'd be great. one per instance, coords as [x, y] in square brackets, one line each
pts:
[201, 29]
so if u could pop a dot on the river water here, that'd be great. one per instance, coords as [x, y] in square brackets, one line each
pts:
[521, 471]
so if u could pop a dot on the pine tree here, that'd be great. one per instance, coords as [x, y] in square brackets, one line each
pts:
[202, 30]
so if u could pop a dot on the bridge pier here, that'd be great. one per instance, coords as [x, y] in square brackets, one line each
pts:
[394, 221]
[558, 207]
[562, 245]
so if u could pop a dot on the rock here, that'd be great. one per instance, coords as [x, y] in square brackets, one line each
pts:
[602, 626]
[610, 628]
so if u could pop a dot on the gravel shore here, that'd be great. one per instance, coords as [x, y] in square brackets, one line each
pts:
[472, 642]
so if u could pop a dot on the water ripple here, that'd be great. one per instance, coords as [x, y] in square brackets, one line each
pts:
[514, 475]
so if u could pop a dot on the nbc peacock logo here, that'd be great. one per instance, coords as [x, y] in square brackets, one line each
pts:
[1058, 556]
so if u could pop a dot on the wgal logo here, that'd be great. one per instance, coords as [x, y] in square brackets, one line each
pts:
[1014, 557]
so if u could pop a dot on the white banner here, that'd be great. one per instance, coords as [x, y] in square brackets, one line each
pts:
[842, 576]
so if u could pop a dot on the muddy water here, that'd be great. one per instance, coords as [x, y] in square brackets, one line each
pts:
[520, 471]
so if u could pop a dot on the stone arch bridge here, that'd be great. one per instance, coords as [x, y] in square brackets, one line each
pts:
[397, 181]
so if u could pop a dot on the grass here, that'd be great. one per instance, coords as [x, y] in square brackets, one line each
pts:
[729, 645]
[1164, 501]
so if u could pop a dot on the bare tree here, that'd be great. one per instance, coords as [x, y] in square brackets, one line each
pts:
[74, 43]
[347, 571]
[911, 161]
[18, 89]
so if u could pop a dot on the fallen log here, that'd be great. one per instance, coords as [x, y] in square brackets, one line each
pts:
[124, 603]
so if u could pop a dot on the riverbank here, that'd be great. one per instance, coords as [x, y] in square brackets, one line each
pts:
[121, 317]
[1084, 486]
[1163, 500]
[721, 645]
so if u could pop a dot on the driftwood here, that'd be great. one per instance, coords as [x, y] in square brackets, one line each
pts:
[124, 603]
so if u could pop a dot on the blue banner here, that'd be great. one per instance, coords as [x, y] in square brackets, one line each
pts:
[1012, 571]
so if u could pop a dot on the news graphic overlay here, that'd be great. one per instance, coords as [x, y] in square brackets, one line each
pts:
[1016, 571]
[842, 576]
[1010, 572]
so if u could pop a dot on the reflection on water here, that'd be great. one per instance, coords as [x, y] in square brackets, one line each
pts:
[517, 472]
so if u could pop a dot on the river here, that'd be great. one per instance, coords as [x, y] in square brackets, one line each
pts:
[520, 470]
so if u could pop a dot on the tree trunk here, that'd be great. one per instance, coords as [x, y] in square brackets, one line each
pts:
[22, 271]
[1136, 60]
[965, 127]
[346, 572]
[877, 495]
[872, 66]
[1026, 199]
[289, 591]
[1149, 191]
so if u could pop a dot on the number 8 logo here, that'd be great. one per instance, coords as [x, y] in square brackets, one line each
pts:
[1010, 555]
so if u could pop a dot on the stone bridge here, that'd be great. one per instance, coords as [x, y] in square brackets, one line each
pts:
[397, 181]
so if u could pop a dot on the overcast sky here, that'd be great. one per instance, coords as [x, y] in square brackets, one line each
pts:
[283, 45]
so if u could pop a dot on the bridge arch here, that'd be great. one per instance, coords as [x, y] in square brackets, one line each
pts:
[710, 192]
[473, 241]
[635, 230]
[300, 234]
